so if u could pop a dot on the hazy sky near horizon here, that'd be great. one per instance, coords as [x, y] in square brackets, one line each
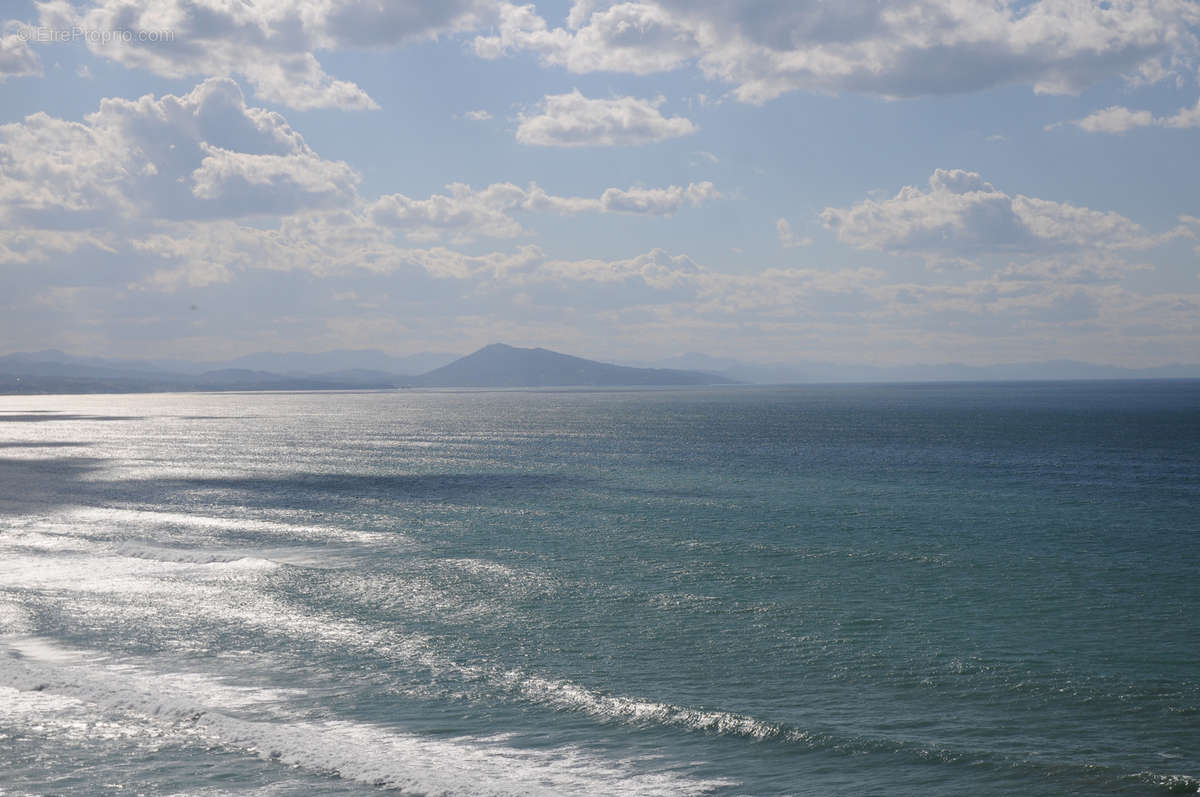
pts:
[773, 180]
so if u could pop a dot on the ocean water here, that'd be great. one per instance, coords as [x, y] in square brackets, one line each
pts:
[925, 590]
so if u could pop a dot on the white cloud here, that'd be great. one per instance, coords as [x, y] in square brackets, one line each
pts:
[272, 44]
[247, 184]
[464, 214]
[29, 246]
[197, 274]
[17, 58]
[1115, 119]
[1093, 268]
[205, 154]
[764, 48]
[60, 175]
[641, 38]
[325, 244]
[477, 116]
[1118, 119]
[961, 217]
[1043, 308]
[787, 236]
[1185, 117]
[573, 120]
[656, 270]
[768, 47]
[657, 201]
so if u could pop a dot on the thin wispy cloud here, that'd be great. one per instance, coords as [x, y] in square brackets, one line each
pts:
[788, 238]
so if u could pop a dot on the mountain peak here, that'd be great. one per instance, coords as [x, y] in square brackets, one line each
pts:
[501, 365]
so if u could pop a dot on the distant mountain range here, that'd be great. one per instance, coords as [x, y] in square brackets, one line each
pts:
[284, 364]
[497, 366]
[821, 372]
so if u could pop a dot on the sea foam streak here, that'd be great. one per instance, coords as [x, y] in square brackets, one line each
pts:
[49, 678]
[106, 518]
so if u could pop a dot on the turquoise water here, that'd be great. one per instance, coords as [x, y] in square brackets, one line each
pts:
[901, 590]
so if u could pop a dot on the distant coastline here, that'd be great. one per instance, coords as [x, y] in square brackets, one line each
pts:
[496, 366]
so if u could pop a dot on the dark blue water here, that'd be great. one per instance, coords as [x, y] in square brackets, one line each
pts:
[905, 590]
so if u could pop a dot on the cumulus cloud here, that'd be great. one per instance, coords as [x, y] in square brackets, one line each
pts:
[641, 38]
[60, 175]
[17, 59]
[1185, 117]
[1118, 119]
[205, 154]
[962, 217]
[656, 201]
[763, 48]
[464, 213]
[246, 184]
[768, 47]
[477, 116]
[271, 44]
[573, 120]
[1115, 119]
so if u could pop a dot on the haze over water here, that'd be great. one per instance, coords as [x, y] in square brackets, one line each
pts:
[907, 590]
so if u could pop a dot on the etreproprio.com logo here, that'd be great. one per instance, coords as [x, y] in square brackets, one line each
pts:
[46, 35]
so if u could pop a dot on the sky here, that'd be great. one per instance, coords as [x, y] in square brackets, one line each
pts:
[777, 181]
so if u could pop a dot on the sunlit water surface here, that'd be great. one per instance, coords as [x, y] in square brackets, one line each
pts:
[901, 590]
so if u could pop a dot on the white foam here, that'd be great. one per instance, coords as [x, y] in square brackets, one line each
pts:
[1172, 783]
[121, 575]
[200, 556]
[141, 519]
[19, 706]
[178, 588]
[193, 704]
[107, 589]
[573, 697]
[60, 536]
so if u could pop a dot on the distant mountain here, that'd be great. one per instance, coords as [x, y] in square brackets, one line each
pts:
[53, 371]
[284, 363]
[819, 372]
[338, 361]
[499, 365]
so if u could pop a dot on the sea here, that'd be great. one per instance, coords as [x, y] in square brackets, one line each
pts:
[918, 589]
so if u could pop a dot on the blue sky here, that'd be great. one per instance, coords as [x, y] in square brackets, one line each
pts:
[772, 180]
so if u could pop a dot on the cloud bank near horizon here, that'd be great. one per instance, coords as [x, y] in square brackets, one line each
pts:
[658, 175]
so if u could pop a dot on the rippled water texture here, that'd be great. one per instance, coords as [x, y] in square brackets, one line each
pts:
[902, 590]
